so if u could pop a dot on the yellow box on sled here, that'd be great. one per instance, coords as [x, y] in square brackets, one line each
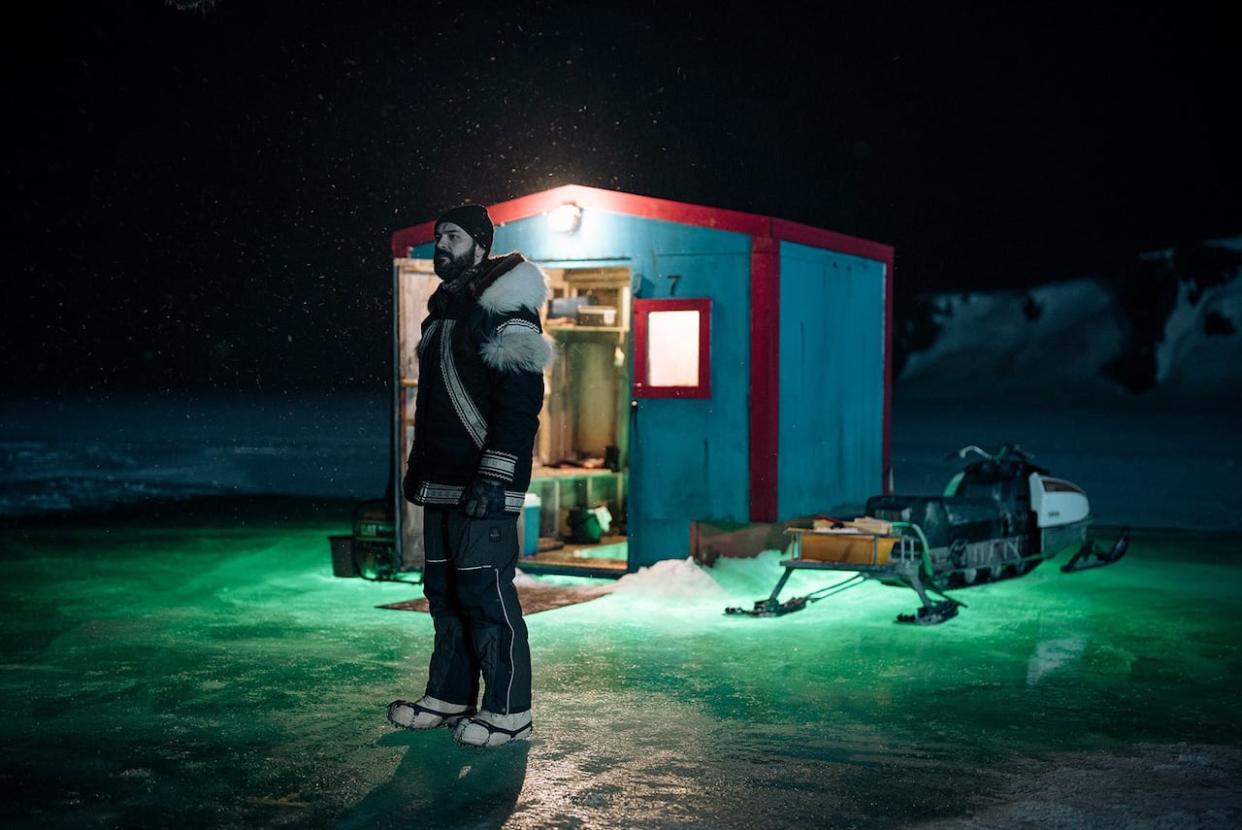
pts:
[848, 548]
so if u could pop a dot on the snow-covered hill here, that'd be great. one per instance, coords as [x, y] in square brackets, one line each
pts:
[1058, 339]
[988, 343]
[1202, 347]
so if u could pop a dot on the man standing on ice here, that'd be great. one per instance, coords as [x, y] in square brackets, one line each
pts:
[480, 388]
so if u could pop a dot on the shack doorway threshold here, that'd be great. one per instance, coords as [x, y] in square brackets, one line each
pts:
[609, 558]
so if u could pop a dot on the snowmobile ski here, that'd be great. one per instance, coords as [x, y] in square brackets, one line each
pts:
[770, 607]
[933, 614]
[1091, 556]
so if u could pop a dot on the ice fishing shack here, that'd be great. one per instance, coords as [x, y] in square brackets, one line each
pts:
[719, 373]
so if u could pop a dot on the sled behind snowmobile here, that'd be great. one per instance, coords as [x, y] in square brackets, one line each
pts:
[999, 518]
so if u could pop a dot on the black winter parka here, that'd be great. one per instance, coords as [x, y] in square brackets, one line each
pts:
[480, 384]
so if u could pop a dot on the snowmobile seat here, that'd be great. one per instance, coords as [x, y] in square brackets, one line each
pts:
[942, 518]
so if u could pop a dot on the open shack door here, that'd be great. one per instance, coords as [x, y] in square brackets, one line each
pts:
[414, 281]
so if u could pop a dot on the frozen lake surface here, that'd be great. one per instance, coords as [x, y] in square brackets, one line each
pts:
[1145, 462]
[60, 457]
[198, 671]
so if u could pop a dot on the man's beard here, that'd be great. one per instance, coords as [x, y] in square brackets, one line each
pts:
[449, 267]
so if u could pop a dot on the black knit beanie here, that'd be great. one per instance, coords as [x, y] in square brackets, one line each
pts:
[473, 219]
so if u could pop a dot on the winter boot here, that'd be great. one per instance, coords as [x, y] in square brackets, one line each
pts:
[427, 713]
[490, 729]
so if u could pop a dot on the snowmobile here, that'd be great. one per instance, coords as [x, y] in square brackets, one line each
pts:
[1000, 517]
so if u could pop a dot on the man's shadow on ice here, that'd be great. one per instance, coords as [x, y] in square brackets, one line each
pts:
[441, 784]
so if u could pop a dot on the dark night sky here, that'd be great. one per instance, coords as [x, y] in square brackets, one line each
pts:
[203, 200]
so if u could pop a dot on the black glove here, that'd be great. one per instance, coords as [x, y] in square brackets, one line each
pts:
[485, 498]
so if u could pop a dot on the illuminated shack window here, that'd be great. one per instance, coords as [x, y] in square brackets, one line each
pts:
[673, 348]
[672, 341]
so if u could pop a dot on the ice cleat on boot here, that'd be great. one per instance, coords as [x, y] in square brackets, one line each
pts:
[427, 713]
[489, 729]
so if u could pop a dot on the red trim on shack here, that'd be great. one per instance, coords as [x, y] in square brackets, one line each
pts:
[765, 363]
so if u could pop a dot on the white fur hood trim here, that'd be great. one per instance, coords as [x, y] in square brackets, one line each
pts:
[526, 285]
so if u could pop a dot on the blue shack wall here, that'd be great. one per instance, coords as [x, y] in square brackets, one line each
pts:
[689, 459]
[831, 425]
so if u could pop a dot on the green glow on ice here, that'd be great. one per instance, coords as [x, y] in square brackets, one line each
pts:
[220, 674]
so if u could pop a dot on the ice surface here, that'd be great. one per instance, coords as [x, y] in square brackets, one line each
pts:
[62, 456]
[1051, 655]
[190, 673]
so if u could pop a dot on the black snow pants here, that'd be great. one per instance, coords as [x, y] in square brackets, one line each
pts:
[468, 581]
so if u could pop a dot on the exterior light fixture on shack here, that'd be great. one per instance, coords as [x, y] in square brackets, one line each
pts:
[566, 218]
[720, 375]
